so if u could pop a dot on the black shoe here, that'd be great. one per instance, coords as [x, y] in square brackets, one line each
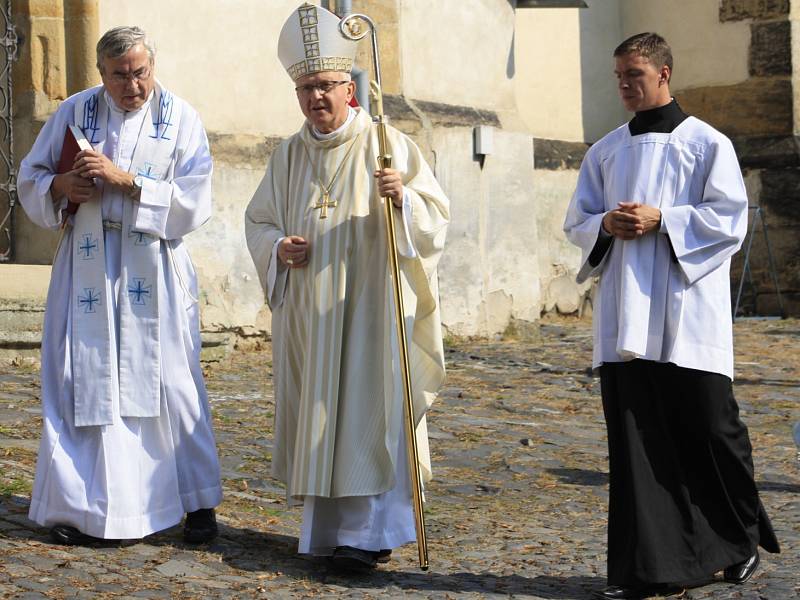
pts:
[200, 526]
[69, 536]
[383, 556]
[741, 572]
[354, 559]
[617, 592]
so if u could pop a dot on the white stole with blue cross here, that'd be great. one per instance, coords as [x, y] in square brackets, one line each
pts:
[137, 384]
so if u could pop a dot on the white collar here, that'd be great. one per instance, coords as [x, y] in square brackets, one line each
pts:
[351, 114]
[113, 105]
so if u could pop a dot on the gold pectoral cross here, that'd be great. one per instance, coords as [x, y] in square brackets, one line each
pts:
[325, 204]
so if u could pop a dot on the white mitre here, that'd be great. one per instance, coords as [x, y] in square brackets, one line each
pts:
[310, 42]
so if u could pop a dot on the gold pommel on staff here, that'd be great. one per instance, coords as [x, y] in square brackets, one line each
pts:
[351, 28]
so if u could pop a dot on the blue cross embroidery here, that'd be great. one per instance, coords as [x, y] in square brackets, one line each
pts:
[164, 115]
[88, 246]
[142, 239]
[88, 300]
[148, 172]
[90, 118]
[141, 292]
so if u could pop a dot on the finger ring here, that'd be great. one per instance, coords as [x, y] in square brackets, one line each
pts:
[289, 261]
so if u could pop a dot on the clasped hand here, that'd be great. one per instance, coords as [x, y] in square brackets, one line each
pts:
[293, 251]
[78, 184]
[631, 220]
[77, 189]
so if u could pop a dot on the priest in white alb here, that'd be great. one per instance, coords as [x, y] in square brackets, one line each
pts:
[127, 446]
[315, 228]
[660, 208]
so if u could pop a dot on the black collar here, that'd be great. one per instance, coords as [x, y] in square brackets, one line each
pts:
[663, 119]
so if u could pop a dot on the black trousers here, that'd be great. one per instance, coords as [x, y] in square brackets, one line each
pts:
[683, 501]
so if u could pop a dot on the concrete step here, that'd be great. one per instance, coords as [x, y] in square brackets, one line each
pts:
[23, 294]
[24, 283]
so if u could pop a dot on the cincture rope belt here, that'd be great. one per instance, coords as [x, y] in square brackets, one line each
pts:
[109, 225]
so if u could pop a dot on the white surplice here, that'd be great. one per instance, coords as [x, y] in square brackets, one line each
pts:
[136, 475]
[649, 305]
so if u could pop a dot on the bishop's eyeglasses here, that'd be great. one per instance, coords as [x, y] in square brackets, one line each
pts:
[324, 87]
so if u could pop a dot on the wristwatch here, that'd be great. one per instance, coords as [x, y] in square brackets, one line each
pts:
[137, 187]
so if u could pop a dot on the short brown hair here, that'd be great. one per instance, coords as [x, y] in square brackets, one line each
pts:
[648, 45]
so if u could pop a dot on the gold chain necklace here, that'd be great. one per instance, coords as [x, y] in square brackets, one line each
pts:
[328, 202]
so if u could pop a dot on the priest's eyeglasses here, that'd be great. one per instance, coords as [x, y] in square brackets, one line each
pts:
[324, 87]
[137, 76]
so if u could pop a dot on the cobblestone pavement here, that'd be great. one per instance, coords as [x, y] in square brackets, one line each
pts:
[517, 507]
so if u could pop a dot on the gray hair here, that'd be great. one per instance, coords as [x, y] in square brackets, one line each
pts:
[117, 41]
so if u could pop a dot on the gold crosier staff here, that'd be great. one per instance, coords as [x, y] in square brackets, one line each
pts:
[351, 29]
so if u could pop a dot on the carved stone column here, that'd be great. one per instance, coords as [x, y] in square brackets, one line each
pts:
[81, 35]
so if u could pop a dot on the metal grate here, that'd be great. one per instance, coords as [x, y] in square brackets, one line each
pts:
[747, 273]
[8, 172]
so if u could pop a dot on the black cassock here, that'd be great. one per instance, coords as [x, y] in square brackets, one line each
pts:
[683, 500]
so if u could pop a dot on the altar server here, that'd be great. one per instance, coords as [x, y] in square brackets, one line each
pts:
[660, 208]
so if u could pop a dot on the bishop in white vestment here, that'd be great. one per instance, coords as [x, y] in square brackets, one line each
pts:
[315, 228]
[659, 209]
[127, 445]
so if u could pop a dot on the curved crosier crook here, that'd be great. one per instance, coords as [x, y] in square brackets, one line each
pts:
[352, 28]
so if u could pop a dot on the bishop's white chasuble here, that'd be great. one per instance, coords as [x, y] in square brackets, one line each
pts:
[338, 403]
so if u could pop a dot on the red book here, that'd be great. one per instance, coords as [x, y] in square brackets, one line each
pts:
[74, 142]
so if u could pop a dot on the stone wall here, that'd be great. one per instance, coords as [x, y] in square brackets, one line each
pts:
[489, 273]
[495, 268]
[563, 70]
[758, 115]
[506, 242]
[507, 258]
